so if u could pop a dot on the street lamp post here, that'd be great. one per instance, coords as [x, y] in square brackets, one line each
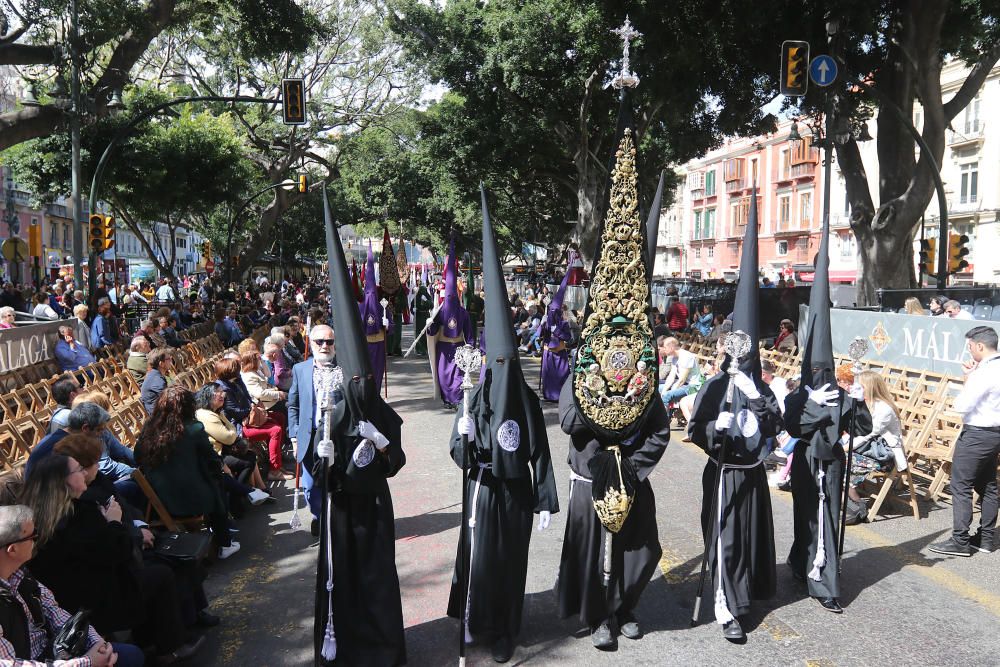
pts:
[74, 131]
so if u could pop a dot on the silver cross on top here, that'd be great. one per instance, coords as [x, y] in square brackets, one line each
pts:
[626, 78]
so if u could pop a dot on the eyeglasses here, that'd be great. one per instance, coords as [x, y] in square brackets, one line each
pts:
[320, 342]
[33, 537]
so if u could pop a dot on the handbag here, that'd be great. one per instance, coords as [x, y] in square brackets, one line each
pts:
[70, 641]
[183, 547]
[256, 417]
[878, 450]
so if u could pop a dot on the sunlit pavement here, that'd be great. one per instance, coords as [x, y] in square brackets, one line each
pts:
[902, 604]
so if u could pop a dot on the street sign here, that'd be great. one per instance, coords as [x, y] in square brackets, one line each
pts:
[209, 267]
[15, 250]
[823, 70]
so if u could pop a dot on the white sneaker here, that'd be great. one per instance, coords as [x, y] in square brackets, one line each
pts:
[257, 497]
[226, 552]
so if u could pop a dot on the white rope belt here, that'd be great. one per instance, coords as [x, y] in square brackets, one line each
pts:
[472, 537]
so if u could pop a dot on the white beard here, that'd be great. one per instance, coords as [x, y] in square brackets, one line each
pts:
[323, 358]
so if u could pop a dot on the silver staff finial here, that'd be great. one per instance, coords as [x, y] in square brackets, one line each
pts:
[468, 359]
[856, 350]
[738, 345]
[626, 78]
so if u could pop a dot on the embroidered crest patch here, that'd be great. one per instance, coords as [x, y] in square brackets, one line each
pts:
[747, 422]
[509, 435]
[364, 454]
[452, 323]
[371, 320]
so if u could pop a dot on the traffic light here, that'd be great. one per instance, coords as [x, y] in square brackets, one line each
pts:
[206, 250]
[293, 101]
[957, 252]
[794, 68]
[109, 232]
[303, 183]
[928, 256]
[96, 235]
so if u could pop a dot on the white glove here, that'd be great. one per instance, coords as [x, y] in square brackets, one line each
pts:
[857, 392]
[368, 431]
[746, 385]
[385, 321]
[324, 449]
[544, 517]
[823, 396]
[724, 421]
[467, 427]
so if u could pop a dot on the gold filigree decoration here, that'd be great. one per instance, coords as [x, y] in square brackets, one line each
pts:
[388, 273]
[614, 378]
[402, 267]
[613, 508]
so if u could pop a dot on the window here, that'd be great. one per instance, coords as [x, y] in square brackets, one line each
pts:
[709, 227]
[710, 183]
[735, 169]
[786, 166]
[67, 237]
[784, 212]
[802, 151]
[847, 202]
[805, 210]
[181, 243]
[696, 181]
[781, 248]
[972, 117]
[697, 225]
[918, 119]
[711, 251]
[970, 183]
[697, 253]
[740, 211]
[847, 246]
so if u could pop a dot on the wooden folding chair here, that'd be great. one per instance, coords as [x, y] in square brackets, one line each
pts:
[164, 520]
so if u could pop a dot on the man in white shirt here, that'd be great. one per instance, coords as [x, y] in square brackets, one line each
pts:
[953, 309]
[685, 375]
[778, 385]
[974, 463]
[165, 292]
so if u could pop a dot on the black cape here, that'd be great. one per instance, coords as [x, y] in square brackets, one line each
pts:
[636, 548]
[747, 526]
[367, 611]
[818, 429]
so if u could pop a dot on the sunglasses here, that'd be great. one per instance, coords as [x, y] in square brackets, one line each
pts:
[33, 537]
[320, 342]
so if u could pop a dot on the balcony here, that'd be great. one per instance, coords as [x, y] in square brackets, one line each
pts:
[971, 134]
[697, 193]
[736, 186]
[804, 170]
[57, 210]
[784, 176]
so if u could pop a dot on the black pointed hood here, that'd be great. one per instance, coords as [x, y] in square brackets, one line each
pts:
[817, 358]
[500, 340]
[614, 377]
[653, 224]
[746, 313]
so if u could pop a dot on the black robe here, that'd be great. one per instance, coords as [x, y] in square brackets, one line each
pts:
[747, 527]
[367, 609]
[513, 485]
[818, 429]
[635, 549]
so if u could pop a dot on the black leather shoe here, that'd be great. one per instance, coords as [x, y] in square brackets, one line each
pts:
[206, 620]
[314, 528]
[987, 546]
[830, 604]
[951, 548]
[629, 627]
[733, 631]
[601, 636]
[503, 649]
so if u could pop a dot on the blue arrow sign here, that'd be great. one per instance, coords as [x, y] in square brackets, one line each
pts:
[823, 70]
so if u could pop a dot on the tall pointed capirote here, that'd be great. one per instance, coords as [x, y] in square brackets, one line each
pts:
[371, 309]
[614, 378]
[817, 358]
[653, 224]
[500, 340]
[388, 271]
[555, 307]
[352, 351]
[746, 312]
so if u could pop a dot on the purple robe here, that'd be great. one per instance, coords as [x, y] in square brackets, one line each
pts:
[555, 357]
[450, 323]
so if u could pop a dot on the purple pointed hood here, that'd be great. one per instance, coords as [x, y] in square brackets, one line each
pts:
[451, 314]
[423, 275]
[371, 309]
[555, 306]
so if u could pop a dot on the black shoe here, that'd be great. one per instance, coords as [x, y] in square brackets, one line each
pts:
[206, 620]
[951, 548]
[629, 627]
[601, 636]
[733, 631]
[785, 486]
[314, 528]
[987, 547]
[830, 604]
[503, 649]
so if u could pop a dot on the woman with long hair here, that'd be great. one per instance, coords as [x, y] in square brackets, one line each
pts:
[913, 307]
[174, 453]
[880, 450]
[272, 400]
[87, 557]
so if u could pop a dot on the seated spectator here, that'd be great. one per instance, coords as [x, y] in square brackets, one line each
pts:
[279, 336]
[295, 335]
[953, 309]
[42, 309]
[703, 323]
[684, 377]
[30, 607]
[138, 359]
[168, 332]
[85, 418]
[64, 390]
[879, 450]
[104, 330]
[936, 305]
[238, 460]
[149, 333]
[70, 354]
[271, 399]
[117, 461]
[7, 317]
[247, 345]
[281, 367]
[677, 315]
[913, 307]
[81, 329]
[174, 454]
[719, 328]
[226, 330]
[161, 361]
[786, 340]
[86, 556]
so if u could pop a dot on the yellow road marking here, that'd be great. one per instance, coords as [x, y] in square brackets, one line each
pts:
[779, 630]
[819, 662]
[669, 563]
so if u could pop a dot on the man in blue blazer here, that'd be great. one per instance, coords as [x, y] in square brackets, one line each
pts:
[303, 416]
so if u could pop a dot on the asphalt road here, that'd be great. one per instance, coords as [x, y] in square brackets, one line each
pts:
[903, 604]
